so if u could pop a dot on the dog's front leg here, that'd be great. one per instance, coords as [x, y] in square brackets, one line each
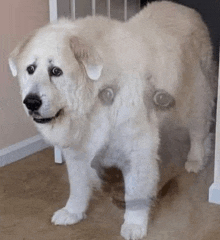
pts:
[140, 187]
[75, 208]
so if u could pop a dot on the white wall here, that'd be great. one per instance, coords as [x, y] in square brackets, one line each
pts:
[17, 18]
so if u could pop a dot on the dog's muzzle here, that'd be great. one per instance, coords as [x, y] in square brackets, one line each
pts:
[47, 120]
[33, 104]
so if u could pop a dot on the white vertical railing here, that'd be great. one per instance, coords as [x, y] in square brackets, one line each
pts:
[93, 7]
[73, 9]
[58, 158]
[53, 10]
[53, 18]
[214, 190]
[53, 5]
[109, 8]
[125, 10]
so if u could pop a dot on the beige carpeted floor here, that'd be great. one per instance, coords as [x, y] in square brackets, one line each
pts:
[33, 188]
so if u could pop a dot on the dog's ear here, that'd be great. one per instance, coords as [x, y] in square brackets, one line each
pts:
[12, 62]
[13, 57]
[87, 55]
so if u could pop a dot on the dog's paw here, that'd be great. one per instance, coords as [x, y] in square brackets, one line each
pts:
[64, 217]
[133, 231]
[193, 166]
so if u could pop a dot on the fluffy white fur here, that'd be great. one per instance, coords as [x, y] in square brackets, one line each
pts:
[164, 47]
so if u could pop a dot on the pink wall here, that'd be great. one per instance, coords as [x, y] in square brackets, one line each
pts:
[17, 18]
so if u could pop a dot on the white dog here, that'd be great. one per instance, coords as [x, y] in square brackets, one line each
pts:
[100, 89]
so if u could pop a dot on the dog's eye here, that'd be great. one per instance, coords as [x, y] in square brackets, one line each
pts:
[107, 96]
[31, 69]
[56, 72]
[163, 99]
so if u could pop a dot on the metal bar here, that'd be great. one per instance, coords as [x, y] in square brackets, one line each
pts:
[73, 9]
[93, 7]
[53, 10]
[109, 8]
[125, 10]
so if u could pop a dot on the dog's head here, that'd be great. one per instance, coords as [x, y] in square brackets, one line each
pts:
[56, 72]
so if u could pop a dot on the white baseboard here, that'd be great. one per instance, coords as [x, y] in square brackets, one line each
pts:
[22, 149]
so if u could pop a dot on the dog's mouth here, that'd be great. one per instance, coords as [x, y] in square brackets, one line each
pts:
[47, 120]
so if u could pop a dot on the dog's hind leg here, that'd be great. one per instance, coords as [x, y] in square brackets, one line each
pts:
[140, 180]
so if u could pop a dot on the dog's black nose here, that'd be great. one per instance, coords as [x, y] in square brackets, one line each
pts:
[32, 102]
